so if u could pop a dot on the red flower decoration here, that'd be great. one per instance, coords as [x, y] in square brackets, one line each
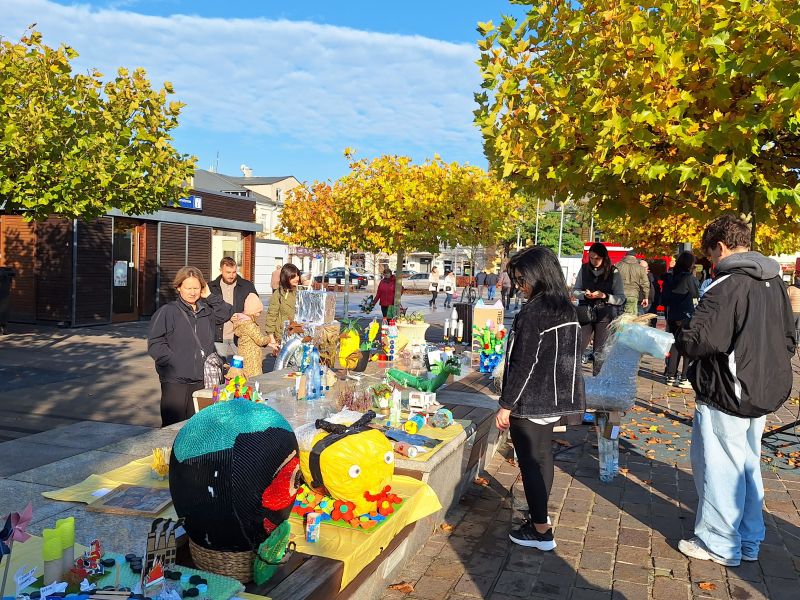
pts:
[343, 511]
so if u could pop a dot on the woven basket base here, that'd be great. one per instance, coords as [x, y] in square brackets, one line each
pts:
[238, 565]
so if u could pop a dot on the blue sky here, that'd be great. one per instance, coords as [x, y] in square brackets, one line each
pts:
[282, 87]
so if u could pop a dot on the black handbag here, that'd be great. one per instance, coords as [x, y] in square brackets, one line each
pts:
[586, 314]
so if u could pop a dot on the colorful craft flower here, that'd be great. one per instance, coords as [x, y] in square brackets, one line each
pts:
[342, 511]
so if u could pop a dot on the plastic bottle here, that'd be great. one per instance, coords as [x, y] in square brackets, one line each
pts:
[607, 451]
[236, 368]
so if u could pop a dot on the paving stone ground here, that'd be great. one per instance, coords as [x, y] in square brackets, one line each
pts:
[615, 540]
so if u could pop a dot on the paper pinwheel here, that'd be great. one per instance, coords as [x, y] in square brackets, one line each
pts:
[14, 529]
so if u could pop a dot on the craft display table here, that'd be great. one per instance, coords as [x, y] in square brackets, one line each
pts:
[451, 467]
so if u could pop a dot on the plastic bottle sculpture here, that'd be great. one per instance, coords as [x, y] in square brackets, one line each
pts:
[614, 388]
[313, 373]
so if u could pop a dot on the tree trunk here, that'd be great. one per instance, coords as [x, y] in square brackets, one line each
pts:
[747, 209]
[398, 286]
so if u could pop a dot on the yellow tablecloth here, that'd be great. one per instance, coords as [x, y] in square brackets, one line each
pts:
[28, 554]
[355, 548]
[446, 434]
[134, 473]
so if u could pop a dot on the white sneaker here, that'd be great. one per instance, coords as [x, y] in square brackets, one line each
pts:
[695, 548]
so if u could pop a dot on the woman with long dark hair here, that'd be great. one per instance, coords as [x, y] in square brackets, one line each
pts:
[601, 298]
[542, 381]
[282, 303]
[681, 291]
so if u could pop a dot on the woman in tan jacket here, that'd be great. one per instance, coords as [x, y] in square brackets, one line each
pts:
[283, 302]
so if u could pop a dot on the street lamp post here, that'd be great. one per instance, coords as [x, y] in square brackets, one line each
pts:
[561, 230]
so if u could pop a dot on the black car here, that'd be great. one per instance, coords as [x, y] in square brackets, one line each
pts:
[336, 276]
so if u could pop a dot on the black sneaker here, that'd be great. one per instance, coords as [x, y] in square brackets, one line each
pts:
[526, 535]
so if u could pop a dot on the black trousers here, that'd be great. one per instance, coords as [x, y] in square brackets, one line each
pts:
[434, 295]
[176, 401]
[599, 330]
[533, 444]
[675, 356]
[385, 310]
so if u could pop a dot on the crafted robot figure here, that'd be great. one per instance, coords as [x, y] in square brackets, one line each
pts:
[234, 473]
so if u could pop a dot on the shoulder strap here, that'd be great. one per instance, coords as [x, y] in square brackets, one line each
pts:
[194, 332]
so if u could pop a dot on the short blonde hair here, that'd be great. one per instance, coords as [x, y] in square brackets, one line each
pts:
[185, 272]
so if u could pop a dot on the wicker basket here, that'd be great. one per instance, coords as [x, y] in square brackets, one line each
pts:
[238, 565]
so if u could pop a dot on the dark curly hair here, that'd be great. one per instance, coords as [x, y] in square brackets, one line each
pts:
[730, 230]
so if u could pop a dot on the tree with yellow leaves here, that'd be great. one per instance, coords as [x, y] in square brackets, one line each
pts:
[390, 204]
[649, 108]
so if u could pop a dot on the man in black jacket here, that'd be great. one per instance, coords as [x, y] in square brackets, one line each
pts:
[741, 340]
[234, 289]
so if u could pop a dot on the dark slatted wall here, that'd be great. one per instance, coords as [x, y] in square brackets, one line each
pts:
[54, 270]
[148, 267]
[172, 258]
[93, 272]
[19, 252]
[249, 255]
[200, 251]
[223, 207]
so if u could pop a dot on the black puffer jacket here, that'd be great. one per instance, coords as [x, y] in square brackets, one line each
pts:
[171, 340]
[680, 291]
[542, 376]
[741, 338]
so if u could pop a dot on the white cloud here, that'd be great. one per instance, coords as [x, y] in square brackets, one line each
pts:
[303, 83]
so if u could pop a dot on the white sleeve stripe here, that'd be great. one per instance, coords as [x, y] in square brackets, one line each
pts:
[555, 375]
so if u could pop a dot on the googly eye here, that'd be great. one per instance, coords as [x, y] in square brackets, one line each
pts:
[354, 471]
[389, 457]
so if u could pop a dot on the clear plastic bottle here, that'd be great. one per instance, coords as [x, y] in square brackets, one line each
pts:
[607, 451]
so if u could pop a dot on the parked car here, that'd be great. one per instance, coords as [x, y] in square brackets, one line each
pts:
[364, 273]
[409, 272]
[336, 277]
[417, 281]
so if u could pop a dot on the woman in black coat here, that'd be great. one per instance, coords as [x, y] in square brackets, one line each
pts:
[181, 338]
[542, 381]
[681, 291]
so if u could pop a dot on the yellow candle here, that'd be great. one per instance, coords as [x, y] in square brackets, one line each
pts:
[51, 548]
[66, 532]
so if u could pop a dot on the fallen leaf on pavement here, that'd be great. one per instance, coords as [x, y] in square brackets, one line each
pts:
[446, 527]
[563, 443]
[481, 481]
[404, 587]
[661, 414]
[624, 470]
[707, 585]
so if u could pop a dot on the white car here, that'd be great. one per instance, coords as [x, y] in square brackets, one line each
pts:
[418, 281]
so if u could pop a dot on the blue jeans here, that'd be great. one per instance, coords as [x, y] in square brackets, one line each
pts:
[491, 291]
[730, 491]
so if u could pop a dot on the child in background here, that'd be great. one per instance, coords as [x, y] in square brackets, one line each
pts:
[251, 339]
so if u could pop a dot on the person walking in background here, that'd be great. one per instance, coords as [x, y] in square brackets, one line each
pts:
[181, 342]
[681, 292]
[742, 340]
[505, 289]
[449, 286]
[491, 285]
[234, 289]
[480, 282]
[433, 286]
[282, 304]
[542, 381]
[601, 297]
[386, 290]
[794, 298]
[634, 282]
[275, 280]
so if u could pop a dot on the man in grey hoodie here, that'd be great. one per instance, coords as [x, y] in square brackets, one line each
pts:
[741, 340]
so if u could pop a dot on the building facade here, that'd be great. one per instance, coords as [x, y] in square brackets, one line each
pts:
[120, 267]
